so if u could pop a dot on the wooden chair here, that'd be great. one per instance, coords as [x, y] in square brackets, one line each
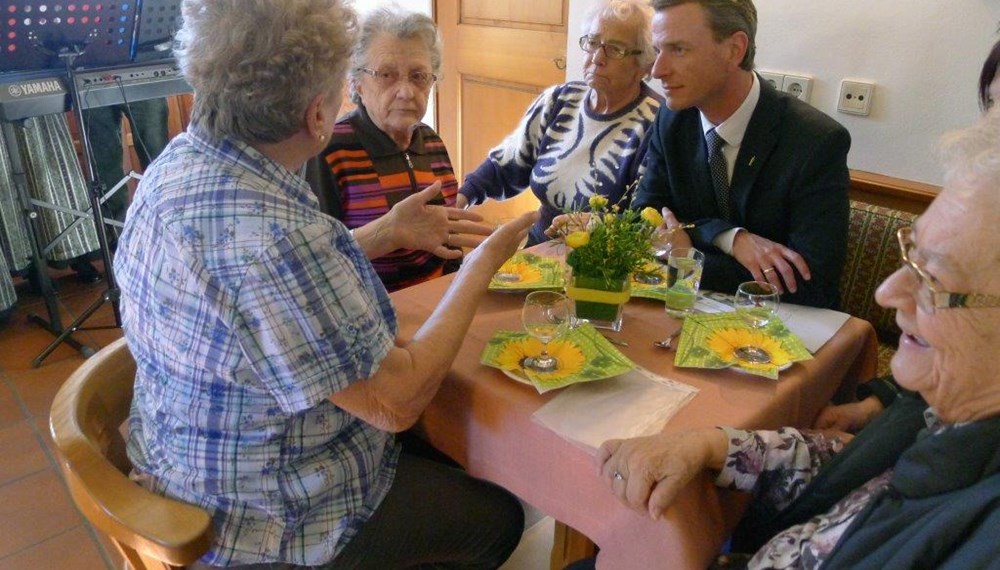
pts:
[151, 532]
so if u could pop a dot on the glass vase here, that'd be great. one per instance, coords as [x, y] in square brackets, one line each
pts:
[598, 301]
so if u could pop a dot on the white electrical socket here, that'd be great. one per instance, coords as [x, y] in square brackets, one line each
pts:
[775, 79]
[856, 97]
[798, 86]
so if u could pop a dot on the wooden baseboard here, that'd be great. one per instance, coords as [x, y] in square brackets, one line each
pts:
[897, 193]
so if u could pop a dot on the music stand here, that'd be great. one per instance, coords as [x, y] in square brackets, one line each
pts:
[35, 34]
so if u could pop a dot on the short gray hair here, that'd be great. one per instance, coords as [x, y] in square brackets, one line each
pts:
[255, 65]
[971, 159]
[725, 18]
[634, 13]
[397, 23]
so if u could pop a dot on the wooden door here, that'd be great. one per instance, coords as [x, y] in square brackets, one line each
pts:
[498, 57]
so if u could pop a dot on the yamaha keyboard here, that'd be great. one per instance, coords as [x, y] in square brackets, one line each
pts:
[35, 93]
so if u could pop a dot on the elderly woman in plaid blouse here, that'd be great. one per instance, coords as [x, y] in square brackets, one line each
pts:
[270, 376]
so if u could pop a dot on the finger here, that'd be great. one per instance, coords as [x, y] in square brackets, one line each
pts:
[799, 262]
[779, 274]
[604, 453]
[669, 219]
[662, 495]
[469, 227]
[445, 252]
[465, 240]
[461, 202]
[457, 214]
[637, 491]
[429, 193]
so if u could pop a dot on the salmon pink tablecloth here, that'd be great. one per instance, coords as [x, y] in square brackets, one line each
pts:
[482, 419]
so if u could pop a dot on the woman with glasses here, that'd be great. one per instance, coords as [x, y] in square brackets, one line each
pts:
[381, 152]
[582, 138]
[919, 487]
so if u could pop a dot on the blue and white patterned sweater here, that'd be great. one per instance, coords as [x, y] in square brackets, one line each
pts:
[566, 153]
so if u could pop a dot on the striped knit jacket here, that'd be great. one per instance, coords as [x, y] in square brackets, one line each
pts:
[362, 174]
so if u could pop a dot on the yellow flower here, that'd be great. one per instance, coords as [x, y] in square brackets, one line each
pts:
[652, 216]
[568, 354]
[598, 202]
[724, 343]
[578, 239]
[525, 272]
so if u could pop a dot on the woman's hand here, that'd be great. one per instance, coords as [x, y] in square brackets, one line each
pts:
[502, 243]
[564, 224]
[848, 417]
[414, 223]
[647, 473]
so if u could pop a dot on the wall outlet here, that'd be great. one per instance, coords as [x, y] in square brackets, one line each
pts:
[798, 86]
[856, 97]
[775, 79]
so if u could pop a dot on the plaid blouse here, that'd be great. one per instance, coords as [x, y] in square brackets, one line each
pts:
[245, 309]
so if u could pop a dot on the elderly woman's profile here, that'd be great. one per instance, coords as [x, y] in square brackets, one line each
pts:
[919, 487]
[581, 138]
[270, 377]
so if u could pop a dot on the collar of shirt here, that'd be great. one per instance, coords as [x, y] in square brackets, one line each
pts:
[378, 143]
[243, 155]
[734, 128]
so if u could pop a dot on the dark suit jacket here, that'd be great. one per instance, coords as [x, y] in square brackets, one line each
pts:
[789, 185]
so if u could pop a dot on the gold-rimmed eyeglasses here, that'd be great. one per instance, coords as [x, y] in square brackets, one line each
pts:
[389, 77]
[591, 44]
[931, 295]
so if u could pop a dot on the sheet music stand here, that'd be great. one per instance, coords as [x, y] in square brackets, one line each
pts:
[40, 34]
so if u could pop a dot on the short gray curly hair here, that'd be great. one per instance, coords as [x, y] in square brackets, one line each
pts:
[256, 64]
[637, 14]
[397, 23]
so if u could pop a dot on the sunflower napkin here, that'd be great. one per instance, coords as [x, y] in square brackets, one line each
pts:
[710, 341]
[525, 270]
[583, 353]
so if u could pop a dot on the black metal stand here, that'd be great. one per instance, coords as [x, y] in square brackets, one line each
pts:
[111, 293]
[38, 265]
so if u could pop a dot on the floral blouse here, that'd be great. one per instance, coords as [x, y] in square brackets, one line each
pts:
[776, 466]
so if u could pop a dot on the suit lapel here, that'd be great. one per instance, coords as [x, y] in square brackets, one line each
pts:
[758, 143]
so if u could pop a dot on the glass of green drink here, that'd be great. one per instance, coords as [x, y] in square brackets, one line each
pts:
[684, 267]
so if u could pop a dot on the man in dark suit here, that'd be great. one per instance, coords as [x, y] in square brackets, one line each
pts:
[762, 175]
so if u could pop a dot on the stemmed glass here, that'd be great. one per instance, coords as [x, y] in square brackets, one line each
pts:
[756, 302]
[546, 315]
[660, 243]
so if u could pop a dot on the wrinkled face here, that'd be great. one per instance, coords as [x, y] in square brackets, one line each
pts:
[948, 355]
[395, 107]
[607, 75]
[690, 64]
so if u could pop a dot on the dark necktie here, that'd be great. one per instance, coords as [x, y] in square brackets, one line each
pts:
[720, 172]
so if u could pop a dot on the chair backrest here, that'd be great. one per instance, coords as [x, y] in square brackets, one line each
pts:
[152, 532]
[872, 255]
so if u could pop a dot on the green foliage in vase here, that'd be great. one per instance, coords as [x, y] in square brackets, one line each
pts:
[609, 242]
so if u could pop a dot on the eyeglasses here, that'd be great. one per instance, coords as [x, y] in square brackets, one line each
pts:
[591, 44]
[931, 296]
[388, 78]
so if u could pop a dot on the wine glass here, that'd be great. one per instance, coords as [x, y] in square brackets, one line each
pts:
[546, 315]
[756, 302]
[660, 242]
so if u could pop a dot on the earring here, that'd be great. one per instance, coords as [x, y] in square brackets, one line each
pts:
[322, 138]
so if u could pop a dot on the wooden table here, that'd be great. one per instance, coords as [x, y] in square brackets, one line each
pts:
[482, 419]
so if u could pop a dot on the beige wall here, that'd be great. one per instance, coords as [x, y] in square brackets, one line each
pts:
[923, 55]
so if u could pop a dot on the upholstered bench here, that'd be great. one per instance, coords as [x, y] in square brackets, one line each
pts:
[873, 255]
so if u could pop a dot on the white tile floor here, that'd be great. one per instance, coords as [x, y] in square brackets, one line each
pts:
[535, 548]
